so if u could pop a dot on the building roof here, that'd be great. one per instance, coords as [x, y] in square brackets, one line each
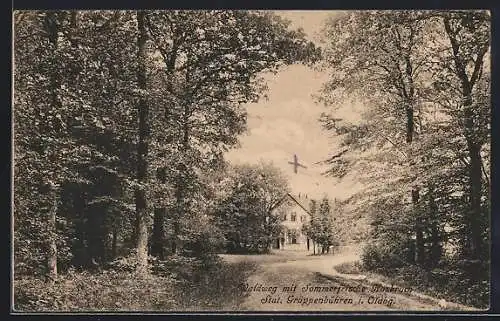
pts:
[288, 195]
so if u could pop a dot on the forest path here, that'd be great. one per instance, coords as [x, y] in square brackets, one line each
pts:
[266, 292]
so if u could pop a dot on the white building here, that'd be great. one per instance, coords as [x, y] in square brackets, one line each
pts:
[294, 214]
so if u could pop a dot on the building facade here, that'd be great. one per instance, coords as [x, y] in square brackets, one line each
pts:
[293, 213]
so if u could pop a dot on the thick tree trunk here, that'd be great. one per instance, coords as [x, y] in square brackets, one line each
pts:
[142, 166]
[410, 124]
[408, 92]
[415, 193]
[475, 175]
[475, 186]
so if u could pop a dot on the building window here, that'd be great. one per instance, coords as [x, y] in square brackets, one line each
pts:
[293, 217]
[284, 217]
[302, 218]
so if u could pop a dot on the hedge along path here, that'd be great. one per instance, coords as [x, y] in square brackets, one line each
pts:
[371, 282]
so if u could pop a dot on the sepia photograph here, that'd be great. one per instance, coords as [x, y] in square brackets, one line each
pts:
[251, 161]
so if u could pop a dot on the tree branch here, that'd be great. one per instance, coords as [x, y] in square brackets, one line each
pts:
[478, 65]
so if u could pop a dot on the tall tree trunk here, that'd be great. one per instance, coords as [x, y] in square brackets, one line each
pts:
[161, 211]
[467, 83]
[142, 165]
[410, 124]
[475, 186]
[52, 29]
[408, 93]
[415, 192]
[475, 174]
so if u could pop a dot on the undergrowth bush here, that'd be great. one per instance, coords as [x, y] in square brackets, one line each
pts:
[104, 291]
[453, 279]
[378, 258]
[207, 284]
[447, 282]
[349, 268]
[179, 283]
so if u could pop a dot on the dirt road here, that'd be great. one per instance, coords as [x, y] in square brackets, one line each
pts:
[294, 281]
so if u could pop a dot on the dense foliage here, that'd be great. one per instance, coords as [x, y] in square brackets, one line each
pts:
[121, 121]
[245, 213]
[421, 147]
[321, 229]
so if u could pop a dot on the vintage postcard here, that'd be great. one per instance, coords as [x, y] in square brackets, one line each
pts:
[246, 161]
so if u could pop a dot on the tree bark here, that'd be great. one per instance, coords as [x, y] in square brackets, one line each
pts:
[415, 193]
[142, 165]
[475, 186]
[52, 29]
[407, 93]
[475, 175]
[410, 124]
[170, 59]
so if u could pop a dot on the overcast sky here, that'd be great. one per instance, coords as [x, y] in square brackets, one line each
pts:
[287, 123]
